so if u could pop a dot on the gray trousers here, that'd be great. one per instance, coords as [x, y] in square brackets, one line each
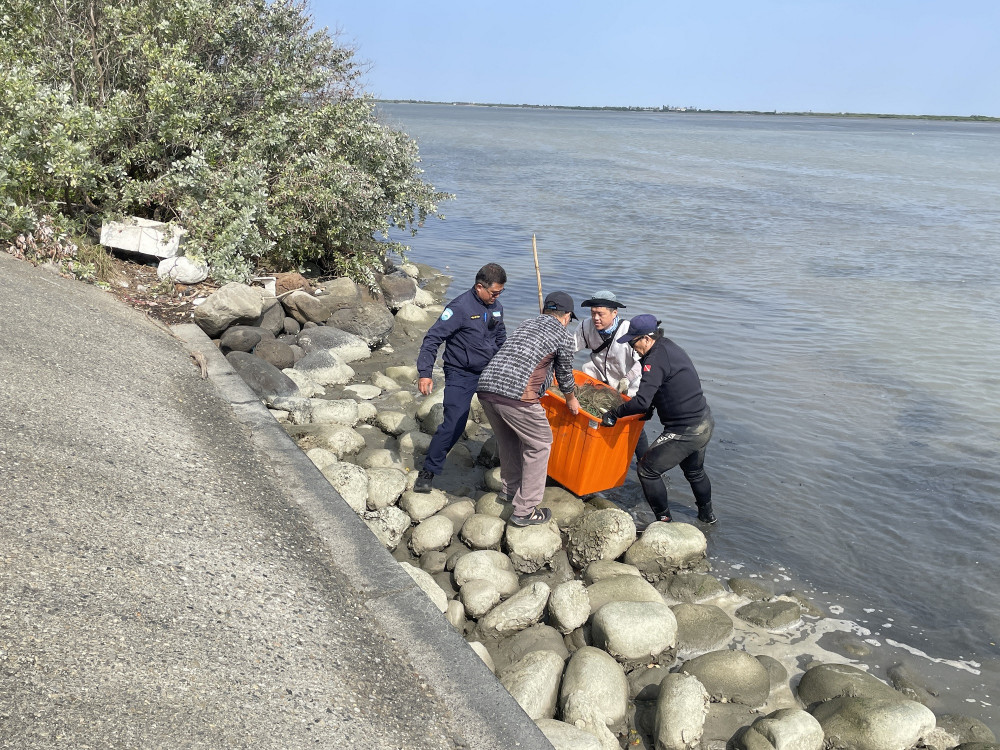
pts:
[524, 439]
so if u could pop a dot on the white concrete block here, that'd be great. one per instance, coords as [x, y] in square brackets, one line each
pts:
[143, 236]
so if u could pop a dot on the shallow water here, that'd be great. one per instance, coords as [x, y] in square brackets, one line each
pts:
[836, 283]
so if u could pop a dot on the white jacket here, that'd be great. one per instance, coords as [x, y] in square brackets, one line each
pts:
[615, 362]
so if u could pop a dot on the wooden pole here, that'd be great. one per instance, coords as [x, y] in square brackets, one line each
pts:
[538, 274]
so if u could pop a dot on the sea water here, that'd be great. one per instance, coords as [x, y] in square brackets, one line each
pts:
[836, 282]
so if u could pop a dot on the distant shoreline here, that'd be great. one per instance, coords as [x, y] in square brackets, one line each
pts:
[694, 111]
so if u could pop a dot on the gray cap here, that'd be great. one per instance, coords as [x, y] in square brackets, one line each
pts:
[603, 298]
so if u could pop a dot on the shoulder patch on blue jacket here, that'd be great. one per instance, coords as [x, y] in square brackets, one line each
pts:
[448, 312]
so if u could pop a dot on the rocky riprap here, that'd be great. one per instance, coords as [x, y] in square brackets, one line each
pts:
[607, 638]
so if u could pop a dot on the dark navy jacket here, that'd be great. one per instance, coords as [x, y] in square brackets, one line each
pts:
[464, 326]
[669, 384]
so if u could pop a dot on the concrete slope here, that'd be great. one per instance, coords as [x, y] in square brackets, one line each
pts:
[176, 574]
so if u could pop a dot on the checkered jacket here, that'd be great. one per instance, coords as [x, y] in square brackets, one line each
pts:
[508, 372]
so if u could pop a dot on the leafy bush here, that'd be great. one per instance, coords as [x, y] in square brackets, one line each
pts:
[233, 118]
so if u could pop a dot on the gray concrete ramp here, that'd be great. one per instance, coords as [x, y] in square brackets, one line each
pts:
[176, 574]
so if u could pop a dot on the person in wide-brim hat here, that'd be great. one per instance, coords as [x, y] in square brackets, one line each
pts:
[610, 362]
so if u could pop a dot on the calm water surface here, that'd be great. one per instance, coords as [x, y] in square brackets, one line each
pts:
[836, 284]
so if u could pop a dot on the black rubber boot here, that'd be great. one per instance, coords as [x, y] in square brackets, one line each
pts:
[705, 514]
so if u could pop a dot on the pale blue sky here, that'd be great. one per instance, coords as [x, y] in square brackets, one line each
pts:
[915, 57]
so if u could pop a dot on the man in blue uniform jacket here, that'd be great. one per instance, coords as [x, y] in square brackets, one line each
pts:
[670, 385]
[472, 330]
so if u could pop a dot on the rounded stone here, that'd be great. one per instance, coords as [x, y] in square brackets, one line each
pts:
[435, 533]
[785, 729]
[479, 596]
[532, 547]
[666, 547]
[731, 676]
[522, 610]
[681, 708]
[484, 564]
[594, 680]
[634, 631]
[533, 681]
[826, 681]
[482, 532]
[569, 606]
[702, 627]
[601, 535]
[873, 723]
[621, 589]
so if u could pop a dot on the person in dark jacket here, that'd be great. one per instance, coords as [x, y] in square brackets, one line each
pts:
[472, 330]
[670, 385]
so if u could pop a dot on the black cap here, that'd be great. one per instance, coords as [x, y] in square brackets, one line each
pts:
[559, 302]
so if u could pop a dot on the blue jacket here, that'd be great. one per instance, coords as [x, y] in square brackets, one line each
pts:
[464, 327]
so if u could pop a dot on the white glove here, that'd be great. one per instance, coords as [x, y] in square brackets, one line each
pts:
[623, 385]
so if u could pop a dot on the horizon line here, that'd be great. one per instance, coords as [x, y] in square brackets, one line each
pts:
[666, 109]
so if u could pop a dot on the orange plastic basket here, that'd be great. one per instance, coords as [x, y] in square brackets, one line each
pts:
[586, 457]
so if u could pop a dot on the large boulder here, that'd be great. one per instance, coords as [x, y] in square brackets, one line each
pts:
[621, 589]
[421, 505]
[304, 307]
[566, 507]
[347, 346]
[601, 535]
[264, 379]
[731, 677]
[397, 289]
[522, 610]
[667, 547]
[785, 729]
[856, 723]
[701, 627]
[595, 677]
[777, 614]
[536, 638]
[533, 682]
[243, 339]
[325, 368]
[278, 353]
[569, 606]
[434, 533]
[563, 736]
[479, 596]
[480, 531]
[681, 708]
[826, 681]
[483, 564]
[689, 586]
[532, 547]
[339, 439]
[388, 525]
[634, 632]
[333, 411]
[351, 482]
[339, 293]
[233, 303]
[385, 485]
[371, 322]
[272, 317]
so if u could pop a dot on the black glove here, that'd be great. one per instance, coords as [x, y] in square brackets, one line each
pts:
[608, 419]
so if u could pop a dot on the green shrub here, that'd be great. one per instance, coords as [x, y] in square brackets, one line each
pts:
[233, 118]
